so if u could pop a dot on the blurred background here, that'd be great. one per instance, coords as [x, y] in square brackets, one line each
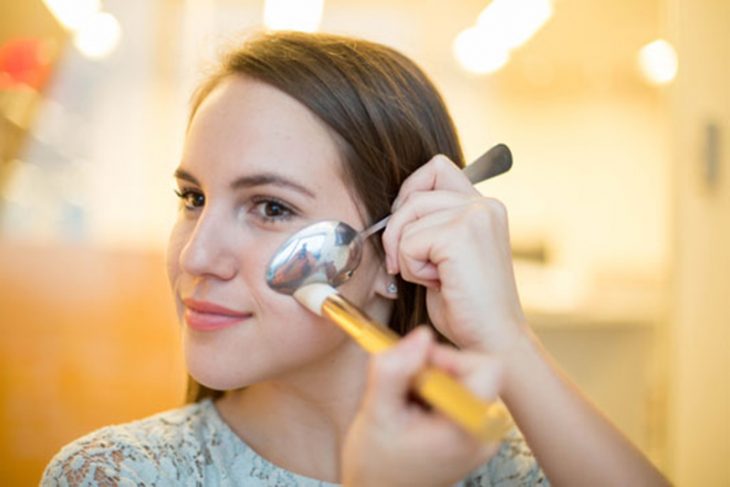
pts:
[618, 115]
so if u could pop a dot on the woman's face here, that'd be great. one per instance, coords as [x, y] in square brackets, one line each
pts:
[256, 167]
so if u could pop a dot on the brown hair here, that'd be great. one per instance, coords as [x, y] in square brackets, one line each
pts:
[386, 113]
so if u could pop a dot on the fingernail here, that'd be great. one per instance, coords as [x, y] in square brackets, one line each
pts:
[389, 266]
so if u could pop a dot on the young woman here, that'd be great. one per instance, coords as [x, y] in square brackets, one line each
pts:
[296, 128]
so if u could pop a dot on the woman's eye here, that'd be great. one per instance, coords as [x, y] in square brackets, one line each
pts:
[273, 210]
[191, 199]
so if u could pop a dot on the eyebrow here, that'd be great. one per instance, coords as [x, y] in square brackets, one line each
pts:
[261, 179]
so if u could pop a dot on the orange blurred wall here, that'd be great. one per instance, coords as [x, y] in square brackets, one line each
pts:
[89, 338]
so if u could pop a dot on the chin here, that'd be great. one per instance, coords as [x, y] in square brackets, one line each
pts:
[215, 370]
[219, 382]
[226, 367]
[222, 379]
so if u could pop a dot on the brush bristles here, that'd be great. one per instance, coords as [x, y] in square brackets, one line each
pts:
[312, 296]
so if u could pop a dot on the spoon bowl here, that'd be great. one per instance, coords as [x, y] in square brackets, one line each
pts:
[325, 252]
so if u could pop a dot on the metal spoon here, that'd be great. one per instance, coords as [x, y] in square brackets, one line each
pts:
[330, 251]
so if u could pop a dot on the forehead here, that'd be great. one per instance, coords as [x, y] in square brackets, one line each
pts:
[245, 125]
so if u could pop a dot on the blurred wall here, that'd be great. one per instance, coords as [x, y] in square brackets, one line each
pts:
[699, 423]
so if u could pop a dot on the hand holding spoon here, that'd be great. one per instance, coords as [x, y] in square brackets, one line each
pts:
[330, 251]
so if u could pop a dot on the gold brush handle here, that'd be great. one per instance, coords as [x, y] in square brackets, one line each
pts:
[486, 421]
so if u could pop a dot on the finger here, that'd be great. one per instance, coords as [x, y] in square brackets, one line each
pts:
[480, 373]
[458, 363]
[467, 236]
[392, 371]
[438, 173]
[419, 250]
[415, 206]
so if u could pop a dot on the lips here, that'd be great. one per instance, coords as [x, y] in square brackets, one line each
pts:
[206, 316]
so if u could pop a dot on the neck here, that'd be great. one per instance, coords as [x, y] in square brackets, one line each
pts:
[299, 421]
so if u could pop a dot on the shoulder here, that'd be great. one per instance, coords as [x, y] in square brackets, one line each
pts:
[513, 465]
[150, 450]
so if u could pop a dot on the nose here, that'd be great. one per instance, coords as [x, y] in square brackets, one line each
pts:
[210, 250]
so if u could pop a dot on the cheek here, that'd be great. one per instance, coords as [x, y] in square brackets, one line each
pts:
[177, 241]
[288, 324]
[295, 331]
[253, 263]
[284, 322]
[175, 244]
[361, 287]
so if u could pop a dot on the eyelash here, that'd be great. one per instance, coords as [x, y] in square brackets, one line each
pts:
[186, 194]
[260, 203]
[286, 212]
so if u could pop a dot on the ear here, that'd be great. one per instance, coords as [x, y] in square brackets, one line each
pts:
[386, 285]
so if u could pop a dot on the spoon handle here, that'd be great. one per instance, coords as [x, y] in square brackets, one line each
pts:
[494, 162]
[374, 228]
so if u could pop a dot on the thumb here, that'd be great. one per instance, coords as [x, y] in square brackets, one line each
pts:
[392, 371]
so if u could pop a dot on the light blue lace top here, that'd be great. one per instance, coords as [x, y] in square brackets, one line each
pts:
[193, 446]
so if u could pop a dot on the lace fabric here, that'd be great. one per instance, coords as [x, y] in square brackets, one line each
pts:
[193, 446]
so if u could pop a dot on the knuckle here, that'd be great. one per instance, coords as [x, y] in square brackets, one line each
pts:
[487, 210]
[497, 207]
[406, 260]
[480, 215]
[407, 199]
[405, 204]
[383, 365]
[416, 200]
[405, 249]
[442, 163]
[389, 234]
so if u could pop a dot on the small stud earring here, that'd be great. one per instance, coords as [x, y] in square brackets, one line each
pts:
[392, 288]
